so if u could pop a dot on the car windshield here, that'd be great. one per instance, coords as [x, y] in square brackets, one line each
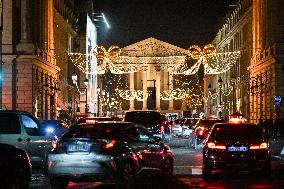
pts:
[97, 131]
[235, 132]
[144, 118]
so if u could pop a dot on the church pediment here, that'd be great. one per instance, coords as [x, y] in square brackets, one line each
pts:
[152, 47]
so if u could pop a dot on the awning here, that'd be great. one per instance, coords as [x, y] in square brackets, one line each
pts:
[61, 104]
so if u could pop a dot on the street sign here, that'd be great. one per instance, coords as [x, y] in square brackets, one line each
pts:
[277, 101]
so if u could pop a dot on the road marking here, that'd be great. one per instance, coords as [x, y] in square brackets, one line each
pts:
[192, 170]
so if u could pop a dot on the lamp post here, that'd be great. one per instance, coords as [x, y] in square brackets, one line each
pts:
[209, 99]
[233, 83]
[86, 82]
[220, 81]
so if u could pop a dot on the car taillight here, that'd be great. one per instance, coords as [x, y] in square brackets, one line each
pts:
[200, 132]
[90, 121]
[55, 144]
[110, 144]
[212, 145]
[263, 145]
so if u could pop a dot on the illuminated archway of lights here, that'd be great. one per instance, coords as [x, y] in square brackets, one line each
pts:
[105, 58]
[214, 63]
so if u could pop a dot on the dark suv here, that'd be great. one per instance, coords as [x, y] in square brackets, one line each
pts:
[113, 152]
[154, 121]
[236, 147]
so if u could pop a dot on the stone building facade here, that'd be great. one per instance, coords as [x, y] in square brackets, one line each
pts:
[256, 28]
[234, 35]
[152, 79]
[36, 37]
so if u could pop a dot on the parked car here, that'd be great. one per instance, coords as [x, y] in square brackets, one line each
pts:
[154, 121]
[55, 127]
[112, 152]
[236, 147]
[15, 167]
[22, 130]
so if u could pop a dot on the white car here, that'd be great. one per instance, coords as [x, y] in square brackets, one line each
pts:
[183, 127]
[177, 128]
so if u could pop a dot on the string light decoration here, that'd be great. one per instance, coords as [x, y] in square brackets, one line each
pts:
[214, 63]
[105, 58]
[132, 94]
[82, 62]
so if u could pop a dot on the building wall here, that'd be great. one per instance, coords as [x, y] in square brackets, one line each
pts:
[31, 79]
[267, 60]
[234, 35]
[256, 29]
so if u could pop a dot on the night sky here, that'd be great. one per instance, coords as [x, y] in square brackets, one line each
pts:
[179, 22]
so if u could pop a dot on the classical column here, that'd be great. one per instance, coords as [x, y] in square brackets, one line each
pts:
[131, 81]
[145, 94]
[158, 86]
[171, 101]
[25, 44]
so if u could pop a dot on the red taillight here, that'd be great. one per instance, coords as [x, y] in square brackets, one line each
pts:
[200, 132]
[110, 144]
[55, 145]
[212, 145]
[263, 145]
[90, 121]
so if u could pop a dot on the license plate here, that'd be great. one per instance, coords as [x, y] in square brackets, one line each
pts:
[237, 149]
[78, 148]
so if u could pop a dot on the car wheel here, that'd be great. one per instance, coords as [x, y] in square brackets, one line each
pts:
[57, 183]
[167, 170]
[127, 177]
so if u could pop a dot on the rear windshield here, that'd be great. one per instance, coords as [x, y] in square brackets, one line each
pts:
[144, 118]
[209, 123]
[98, 131]
[240, 132]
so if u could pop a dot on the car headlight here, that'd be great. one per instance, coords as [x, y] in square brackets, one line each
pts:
[49, 130]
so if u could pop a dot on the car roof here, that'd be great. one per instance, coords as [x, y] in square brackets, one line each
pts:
[110, 123]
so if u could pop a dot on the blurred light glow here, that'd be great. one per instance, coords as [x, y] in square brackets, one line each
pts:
[105, 20]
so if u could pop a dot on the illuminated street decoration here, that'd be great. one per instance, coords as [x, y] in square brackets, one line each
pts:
[132, 94]
[105, 58]
[82, 62]
[214, 63]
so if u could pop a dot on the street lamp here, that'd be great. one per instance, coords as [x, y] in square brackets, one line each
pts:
[86, 82]
[210, 89]
[233, 83]
[220, 81]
